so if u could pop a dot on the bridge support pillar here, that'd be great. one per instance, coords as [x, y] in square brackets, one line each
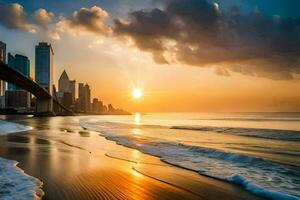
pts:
[44, 107]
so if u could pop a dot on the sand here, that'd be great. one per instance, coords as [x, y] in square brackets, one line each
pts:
[79, 164]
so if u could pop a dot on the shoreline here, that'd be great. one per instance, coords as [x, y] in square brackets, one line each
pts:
[46, 138]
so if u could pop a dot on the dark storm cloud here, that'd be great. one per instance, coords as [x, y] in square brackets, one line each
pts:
[198, 33]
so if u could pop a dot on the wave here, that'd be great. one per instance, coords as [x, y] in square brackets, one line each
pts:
[15, 184]
[272, 180]
[220, 165]
[10, 127]
[274, 134]
[260, 191]
[250, 119]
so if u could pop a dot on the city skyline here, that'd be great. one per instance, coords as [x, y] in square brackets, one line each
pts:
[15, 99]
[108, 51]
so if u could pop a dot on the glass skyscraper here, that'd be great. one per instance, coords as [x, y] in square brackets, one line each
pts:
[15, 96]
[44, 65]
[21, 64]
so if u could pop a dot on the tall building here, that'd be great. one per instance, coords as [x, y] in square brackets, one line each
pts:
[97, 106]
[64, 83]
[44, 65]
[2, 83]
[66, 90]
[21, 64]
[16, 97]
[81, 97]
[73, 90]
[84, 97]
[88, 98]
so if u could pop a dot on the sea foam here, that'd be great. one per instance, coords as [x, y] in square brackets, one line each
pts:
[10, 127]
[15, 184]
[260, 191]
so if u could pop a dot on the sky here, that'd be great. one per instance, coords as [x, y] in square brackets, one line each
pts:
[185, 55]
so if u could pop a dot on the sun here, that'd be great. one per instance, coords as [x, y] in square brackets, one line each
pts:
[137, 93]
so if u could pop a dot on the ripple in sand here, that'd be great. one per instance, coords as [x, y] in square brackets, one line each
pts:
[135, 156]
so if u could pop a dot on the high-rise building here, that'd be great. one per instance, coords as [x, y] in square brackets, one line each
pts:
[64, 83]
[66, 90]
[96, 106]
[84, 97]
[16, 97]
[73, 90]
[2, 83]
[21, 64]
[88, 98]
[67, 99]
[44, 65]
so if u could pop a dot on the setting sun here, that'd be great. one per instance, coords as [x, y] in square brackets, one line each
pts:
[137, 93]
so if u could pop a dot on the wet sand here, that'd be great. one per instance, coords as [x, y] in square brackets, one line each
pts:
[79, 164]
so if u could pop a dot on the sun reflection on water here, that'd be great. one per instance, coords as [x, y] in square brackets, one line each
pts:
[137, 119]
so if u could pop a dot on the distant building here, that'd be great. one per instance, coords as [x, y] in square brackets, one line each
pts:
[111, 108]
[64, 82]
[88, 98]
[95, 105]
[98, 107]
[84, 97]
[73, 90]
[66, 90]
[81, 97]
[67, 99]
[2, 83]
[16, 97]
[44, 65]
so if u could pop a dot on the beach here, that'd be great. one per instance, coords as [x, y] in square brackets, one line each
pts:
[74, 163]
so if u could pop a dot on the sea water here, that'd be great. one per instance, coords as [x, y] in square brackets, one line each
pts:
[14, 183]
[258, 151]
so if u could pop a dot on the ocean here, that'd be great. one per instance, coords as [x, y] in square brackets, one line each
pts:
[14, 183]
[258, 151]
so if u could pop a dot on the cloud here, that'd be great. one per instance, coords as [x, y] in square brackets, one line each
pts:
[86, 20]
[250, 44]
[43, 18]
[13, 17]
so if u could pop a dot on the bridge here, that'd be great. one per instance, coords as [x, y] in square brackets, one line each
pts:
[46, 104]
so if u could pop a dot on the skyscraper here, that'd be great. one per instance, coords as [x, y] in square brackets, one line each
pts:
[73, 90]
[44, 65]
[2, 83]
[88, 98]
[21, 64]
[81, 97]
[84, 97]
[16, 97]
[66, 90]
[64, 83]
